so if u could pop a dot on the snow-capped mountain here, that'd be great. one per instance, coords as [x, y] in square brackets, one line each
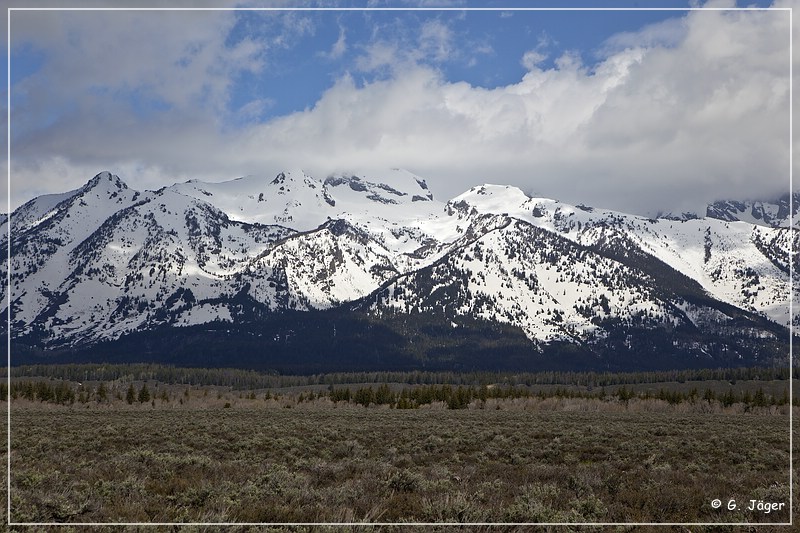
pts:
[105, 265]
[763, 213]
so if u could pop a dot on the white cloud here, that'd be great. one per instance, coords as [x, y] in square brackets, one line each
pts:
[671, 117]
[648, 128]
[294, 25]
[141, 51]
[532, 58]
[397, 44]
[378, 55]
[435, 41]
[667, 33]
[339, 47]
[253, 110]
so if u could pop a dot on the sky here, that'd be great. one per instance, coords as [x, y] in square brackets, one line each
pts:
[640, 111]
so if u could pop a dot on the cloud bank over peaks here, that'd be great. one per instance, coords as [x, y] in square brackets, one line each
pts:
[698, 116]
[667, 118]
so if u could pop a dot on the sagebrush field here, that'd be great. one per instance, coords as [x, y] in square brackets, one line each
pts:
[130, 449]
[357, 464]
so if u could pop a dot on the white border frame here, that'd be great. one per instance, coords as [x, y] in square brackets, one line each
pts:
[379, 524]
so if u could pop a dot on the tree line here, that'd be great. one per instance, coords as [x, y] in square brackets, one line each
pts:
[462, 396]
[454, 397]
[250, 379]
[66, 393]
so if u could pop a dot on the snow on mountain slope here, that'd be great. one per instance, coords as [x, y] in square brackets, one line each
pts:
[35, 211]
[116, 267]
[292, 199]
[105, 260]
[41, 245]
[520, 274]
[319, 269]
[723, 257]
[297, 200]
[71, 214]
[762, 213]
[396, 207]
[121, 276]
[358, 194]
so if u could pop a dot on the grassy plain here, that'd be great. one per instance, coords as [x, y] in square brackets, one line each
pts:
[555, 460]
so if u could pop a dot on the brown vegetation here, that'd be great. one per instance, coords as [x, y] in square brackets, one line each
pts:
[388, 465]
[148, 451]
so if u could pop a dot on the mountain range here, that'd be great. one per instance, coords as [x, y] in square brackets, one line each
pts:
[299, 274]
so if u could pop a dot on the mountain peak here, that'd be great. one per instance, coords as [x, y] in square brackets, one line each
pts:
[774, 213]
[396, 186]
[105, 180]
[279, 179]
[493, 198]
[292, 175]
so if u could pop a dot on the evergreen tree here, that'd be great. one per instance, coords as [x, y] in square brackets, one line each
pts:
[728, 399]
[760, 399]
[364, 396]
[130, 396]
[747, 398]
[693, 395]
[43, 391]
[28, 391]
[384, 395]
[102, 392]
[784, 399]
[625, 394]
[483, 392]
[144, 394]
